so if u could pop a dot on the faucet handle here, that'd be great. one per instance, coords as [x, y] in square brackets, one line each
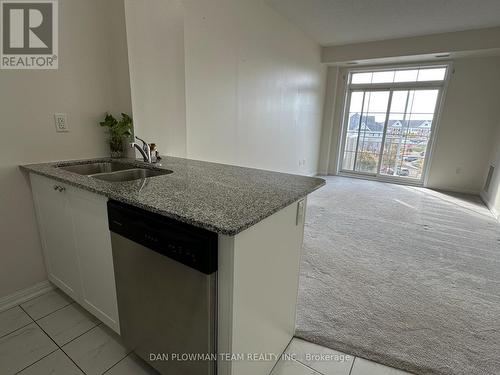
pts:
[142, 140]
[146, 150]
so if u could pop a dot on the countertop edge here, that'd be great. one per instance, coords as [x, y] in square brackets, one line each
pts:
[219, 230]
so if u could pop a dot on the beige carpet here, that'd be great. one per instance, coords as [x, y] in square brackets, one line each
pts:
[408, 277]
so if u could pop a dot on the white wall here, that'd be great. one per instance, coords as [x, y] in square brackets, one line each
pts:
[92, 78]
[468, 122]
[464, 137]
[254, 87]
[492, 196]
[226, 81]
[155, 36]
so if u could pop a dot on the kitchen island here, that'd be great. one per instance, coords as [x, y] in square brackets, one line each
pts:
[256, 216]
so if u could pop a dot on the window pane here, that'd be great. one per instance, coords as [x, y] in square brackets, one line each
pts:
[373, 124]
[383, 77]
[406, 75]
[348, 162]
[361, 78]
[356, 101]
[400, 75]
[377, 101]
[399, 99]
[435, 74]
[354, 122]
[397, 124]
[351, 142]
[424, 101]
[407, 136]
[422, 116]
[367, 159]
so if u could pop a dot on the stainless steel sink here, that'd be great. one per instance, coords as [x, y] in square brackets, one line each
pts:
[131, 174]
[95, 168]
[114, 172]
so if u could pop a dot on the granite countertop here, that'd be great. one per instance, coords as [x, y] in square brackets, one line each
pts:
[222, 198]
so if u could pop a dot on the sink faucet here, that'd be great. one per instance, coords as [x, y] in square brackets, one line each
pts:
[144, 150]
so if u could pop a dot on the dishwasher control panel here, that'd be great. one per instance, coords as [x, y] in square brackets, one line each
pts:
[192, 246]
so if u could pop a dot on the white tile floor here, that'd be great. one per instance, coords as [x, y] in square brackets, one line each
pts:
[51, 334]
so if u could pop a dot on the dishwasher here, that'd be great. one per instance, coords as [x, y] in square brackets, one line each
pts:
[166, 282]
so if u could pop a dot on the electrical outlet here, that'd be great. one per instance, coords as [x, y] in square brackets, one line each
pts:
[61, 122]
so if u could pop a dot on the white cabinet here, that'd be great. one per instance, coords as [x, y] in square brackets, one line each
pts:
[56, 232]
[76, 242]
[95, 258]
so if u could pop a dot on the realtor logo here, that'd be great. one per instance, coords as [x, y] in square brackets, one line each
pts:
[29, 34]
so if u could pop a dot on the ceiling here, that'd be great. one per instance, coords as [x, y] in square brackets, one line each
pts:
[337, 22]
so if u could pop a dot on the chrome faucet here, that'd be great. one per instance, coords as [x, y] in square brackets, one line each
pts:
[145, 150]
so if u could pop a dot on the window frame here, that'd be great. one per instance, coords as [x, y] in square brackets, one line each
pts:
[349, 87]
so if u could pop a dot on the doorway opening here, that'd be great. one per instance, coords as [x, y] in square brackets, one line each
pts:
[389, 122]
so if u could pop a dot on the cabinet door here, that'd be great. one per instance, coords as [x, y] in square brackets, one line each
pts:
[56, 232]
[95, 258]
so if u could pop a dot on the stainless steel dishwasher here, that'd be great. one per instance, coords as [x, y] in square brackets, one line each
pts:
[166, 281]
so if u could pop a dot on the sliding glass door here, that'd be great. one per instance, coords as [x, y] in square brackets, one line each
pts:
[364, 131]
[388, 127]
[407, 132]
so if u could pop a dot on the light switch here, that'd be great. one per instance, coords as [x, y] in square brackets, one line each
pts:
[61, 122]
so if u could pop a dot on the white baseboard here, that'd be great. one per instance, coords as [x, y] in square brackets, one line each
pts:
[485, 200]
[24, 295]
[313, 174]
[453, 189]
[488, 204]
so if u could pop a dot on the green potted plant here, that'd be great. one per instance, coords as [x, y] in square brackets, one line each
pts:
[118, 131]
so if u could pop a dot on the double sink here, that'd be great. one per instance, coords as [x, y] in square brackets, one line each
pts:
[114, 171]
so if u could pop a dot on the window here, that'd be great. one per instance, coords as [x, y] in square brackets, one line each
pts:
[424, 74]
[389, 120]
